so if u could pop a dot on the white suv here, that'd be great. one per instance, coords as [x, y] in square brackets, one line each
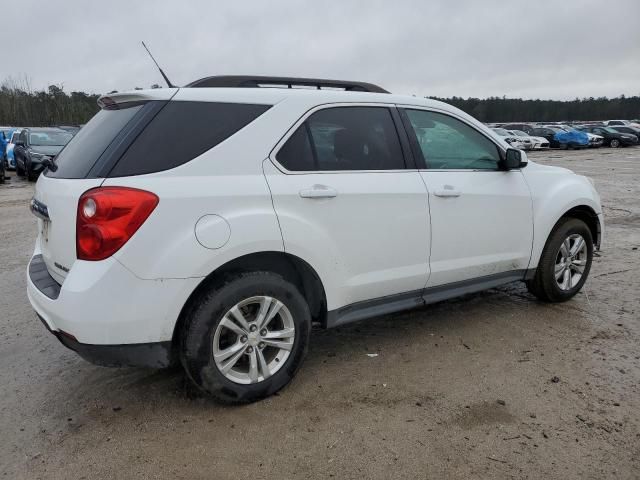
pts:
[212, 224]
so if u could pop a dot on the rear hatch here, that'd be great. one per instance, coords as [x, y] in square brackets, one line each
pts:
[55, 203]
[83, 164]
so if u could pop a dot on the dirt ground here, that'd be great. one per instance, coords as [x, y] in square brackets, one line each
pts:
[492, 385]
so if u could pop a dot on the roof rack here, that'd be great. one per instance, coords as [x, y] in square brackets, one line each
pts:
[248, 81]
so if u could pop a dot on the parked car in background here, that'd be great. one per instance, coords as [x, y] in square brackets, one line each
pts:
[523, 127]
[595, 141]
[534, 143]
[622, 123]
[547, 133]
[11, 160]
[36, 147]
[5, 136]
[558, 137]
[628, 129]
[570, 137]
[510, 138]
[612, 138]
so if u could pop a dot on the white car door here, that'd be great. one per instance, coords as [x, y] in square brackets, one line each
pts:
[349, 205]
[481, 216]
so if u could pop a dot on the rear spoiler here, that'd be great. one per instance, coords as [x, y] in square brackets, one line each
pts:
[112, 100]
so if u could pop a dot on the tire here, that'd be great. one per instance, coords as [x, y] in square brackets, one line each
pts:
[19, 171]
[205, 333]
[615, 143]
[544, 285]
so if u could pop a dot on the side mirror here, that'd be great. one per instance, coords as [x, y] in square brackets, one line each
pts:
[513, 159]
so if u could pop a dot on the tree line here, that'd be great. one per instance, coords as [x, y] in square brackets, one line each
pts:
[495, 109]
[22, 106]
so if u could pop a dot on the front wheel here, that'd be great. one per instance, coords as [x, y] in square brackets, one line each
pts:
[565, 262]
[245, 339]
[615, 143]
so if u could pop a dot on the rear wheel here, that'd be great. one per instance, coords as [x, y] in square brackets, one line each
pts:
[245, 339]
[565, 262]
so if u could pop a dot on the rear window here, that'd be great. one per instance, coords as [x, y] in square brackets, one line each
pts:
[183, 131]
[139, 138]
[83, 151]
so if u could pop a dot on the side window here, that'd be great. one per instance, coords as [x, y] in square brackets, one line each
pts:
[448, 143]
[180, 132]
[344, 138]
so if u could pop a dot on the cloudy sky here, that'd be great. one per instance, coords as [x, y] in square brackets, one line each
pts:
[558, 49]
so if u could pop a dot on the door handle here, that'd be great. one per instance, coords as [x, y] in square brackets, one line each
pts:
[318, 191]
[447, 191]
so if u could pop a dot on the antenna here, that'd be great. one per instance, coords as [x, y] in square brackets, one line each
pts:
[166, 79]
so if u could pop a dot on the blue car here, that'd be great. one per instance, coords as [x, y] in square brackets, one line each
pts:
[11, 139]
[5, 136]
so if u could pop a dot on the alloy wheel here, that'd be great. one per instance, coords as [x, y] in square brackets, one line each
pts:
[571, 261]
[253, 340]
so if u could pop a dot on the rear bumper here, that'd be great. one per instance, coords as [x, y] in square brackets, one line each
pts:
[108, 315]
[153, 355]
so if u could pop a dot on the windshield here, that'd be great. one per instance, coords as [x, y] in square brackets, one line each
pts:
[49, 139]
[610, 130]
[501, 131]
[520, 133]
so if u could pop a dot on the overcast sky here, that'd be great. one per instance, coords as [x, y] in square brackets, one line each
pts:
[558, 49]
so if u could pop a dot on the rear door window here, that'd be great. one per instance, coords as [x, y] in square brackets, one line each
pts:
[344, 138]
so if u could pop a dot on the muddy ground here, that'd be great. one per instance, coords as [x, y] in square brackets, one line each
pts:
[493, 385]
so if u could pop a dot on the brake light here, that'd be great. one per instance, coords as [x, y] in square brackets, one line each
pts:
[108, 217]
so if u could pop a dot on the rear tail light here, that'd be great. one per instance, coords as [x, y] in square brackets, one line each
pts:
[108, 217]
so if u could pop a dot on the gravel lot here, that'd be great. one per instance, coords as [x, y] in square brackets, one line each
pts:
[493, 385]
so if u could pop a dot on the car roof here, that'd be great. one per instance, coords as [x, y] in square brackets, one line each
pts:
[269, 96]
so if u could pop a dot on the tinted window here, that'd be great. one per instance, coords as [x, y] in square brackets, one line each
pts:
[80, 154]
[344, 138]
[181, 132]
[296, 154]
[448, 143]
